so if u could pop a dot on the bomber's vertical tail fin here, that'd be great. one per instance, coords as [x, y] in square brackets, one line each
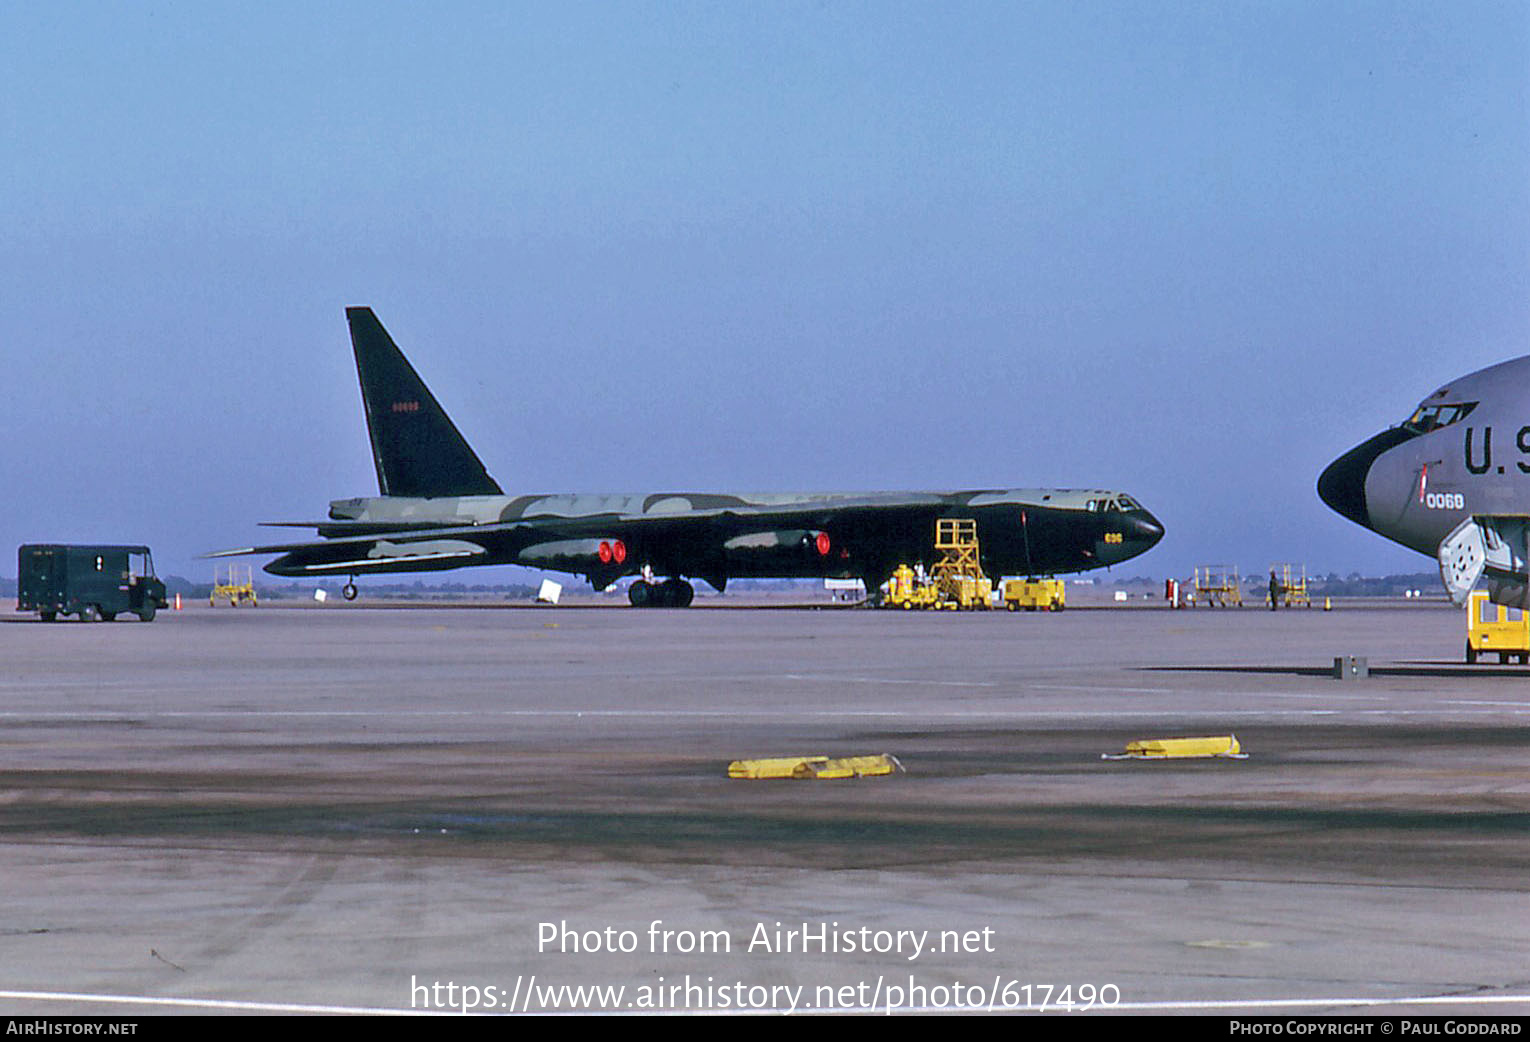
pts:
[417, 449]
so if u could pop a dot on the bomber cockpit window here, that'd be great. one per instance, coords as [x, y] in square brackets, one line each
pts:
[1128, 503]
[1433, 417]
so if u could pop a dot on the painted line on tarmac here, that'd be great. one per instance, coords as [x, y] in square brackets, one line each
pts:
[885, 680]
[1061, 715]
[228, 1004]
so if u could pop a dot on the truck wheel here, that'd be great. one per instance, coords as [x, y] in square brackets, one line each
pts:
[146, 613]
[89, 613]
[48, 616]
[1471, 654]
[108, 616]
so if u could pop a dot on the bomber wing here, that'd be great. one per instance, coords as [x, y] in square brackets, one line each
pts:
[729, 520]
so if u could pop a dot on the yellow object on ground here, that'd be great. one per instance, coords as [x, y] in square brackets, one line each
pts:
[1493, 627]
[1165, 748]
[1290, 586]
[235, 586]
[955, 581]
[815, 767]
[1217, 585]
[1035, 594]
[908, 589]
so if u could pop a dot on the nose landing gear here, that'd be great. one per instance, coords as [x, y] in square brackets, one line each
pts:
[348, 591]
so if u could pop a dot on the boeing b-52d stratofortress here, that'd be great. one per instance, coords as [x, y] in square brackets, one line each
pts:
[1452, 482]
[440, 509]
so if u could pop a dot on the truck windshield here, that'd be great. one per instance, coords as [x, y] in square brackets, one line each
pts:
[141, 565]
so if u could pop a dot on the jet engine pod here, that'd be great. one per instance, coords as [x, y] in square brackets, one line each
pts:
[789, 551]
[574, 555]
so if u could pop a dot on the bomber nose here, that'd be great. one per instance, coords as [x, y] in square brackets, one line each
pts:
[1145, 529]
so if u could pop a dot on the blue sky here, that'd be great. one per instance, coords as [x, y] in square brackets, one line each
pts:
[1192, 251]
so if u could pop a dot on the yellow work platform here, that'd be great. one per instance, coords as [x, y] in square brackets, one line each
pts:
[808, 767]
[1225, 745]
[1290, 588]
[236, 585]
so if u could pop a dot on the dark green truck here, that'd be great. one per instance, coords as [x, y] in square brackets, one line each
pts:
[92, 582]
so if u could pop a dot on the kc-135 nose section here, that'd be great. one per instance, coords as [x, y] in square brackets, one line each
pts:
[1342, 483]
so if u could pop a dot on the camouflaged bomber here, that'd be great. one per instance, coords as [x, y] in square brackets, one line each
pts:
[438, 508]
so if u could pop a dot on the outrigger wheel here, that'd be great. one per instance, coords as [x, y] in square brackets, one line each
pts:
[348, 591]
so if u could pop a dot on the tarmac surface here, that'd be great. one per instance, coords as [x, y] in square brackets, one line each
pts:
[354, 806]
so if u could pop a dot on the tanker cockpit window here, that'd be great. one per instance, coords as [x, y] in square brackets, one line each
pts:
[1433, 417]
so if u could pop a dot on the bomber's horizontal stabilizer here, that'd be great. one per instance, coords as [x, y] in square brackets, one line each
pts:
[386, 556]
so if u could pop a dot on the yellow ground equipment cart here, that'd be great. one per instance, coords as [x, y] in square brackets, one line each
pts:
[956, 582]
[1035, 594]
[1290, 585]
[1493, 627]
[236, 585]
[909, 589]
[1216, 585]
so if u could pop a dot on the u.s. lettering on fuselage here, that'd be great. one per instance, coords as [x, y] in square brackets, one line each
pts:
[1485, 464]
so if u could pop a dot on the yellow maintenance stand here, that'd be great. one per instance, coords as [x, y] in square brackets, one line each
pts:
[957, 574]
[1290, 585]
[1217, 585]
[237, 585]
[956, 582]
[1493, 627]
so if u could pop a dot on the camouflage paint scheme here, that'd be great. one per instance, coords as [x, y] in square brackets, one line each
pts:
[416, 526]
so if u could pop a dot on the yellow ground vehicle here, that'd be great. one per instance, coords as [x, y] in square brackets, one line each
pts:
[964, 593]
[1493, 627]
[908, 589]
[1035, 594]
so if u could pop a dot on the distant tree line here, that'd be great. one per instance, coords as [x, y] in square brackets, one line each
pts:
[1331, 585]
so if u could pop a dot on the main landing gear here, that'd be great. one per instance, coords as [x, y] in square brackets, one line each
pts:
[671, 593]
